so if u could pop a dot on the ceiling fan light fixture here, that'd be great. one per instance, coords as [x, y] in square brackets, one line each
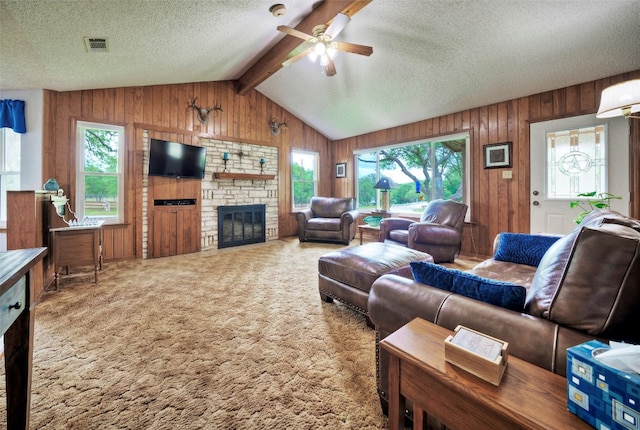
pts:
[320, 44]
[320, 49]
[332, 51]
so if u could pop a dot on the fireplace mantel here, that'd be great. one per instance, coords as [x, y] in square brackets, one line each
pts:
[251, 176]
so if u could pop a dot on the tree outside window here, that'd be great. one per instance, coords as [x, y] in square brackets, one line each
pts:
[100, 179]
[423, 171]
[304, 177]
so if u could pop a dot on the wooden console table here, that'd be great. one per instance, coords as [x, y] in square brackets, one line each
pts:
[77, 246]
[529, 397]
[20, 280]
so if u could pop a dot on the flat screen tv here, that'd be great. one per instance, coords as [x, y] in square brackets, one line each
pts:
[176, 160]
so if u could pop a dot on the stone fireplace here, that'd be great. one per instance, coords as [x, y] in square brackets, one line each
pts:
[241, 225]
[220, 193]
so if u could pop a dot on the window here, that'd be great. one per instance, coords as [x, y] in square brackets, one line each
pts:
[100, 179]
[576, 162]
[9, 168]
[304, 177]
[423, 171]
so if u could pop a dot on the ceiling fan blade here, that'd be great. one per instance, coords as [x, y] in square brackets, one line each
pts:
[337, 25]
[298, 56]
[330, 68]
[293, 32]
[353, 48]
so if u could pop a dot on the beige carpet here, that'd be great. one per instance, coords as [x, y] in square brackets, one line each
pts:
[231, 339]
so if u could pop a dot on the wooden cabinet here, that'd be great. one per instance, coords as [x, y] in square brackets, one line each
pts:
[30, 215]
[174, 228]
[174, 216]
[28, 219]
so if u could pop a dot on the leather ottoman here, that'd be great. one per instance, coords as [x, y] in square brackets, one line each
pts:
[347, 275]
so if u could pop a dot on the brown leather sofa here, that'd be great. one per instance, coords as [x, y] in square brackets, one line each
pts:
[439, 231]
[328, 219]
[586, 286]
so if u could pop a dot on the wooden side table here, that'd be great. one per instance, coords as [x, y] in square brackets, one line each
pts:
[369, 230]
[77, 246]
[529, 397]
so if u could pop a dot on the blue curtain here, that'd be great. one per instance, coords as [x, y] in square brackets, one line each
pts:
[12, 115]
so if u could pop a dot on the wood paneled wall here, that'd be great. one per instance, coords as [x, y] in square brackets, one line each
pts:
[497, 204]
[162, 109]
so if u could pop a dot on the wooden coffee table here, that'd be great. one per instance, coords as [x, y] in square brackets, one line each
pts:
[529, 397]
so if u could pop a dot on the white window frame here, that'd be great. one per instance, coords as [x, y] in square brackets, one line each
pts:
[5, 173]
[316, 170]
[467, 167]
[80, 173]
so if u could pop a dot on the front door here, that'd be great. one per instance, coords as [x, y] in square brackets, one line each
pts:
[571, 156]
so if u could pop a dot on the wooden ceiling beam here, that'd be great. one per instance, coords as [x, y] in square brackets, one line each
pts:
[271, 62]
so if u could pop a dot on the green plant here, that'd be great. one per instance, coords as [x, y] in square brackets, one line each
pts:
[594, 201]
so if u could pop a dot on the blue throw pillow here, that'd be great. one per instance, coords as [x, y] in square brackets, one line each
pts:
[523, 248]
[498, 293]
[433, 274]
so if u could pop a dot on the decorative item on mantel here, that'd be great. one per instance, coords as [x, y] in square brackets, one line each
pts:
[226, 174]
[244, 176]
[225, 158]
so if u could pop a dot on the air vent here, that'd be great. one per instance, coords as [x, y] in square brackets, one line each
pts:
[96, 44]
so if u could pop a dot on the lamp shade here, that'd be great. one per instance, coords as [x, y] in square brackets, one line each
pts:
[385, 184]
[620, 100]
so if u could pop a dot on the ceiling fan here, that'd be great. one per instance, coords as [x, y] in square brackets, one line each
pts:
[321, 45]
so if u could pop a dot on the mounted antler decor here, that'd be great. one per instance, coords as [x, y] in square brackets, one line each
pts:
[275, 125]
[203, 113]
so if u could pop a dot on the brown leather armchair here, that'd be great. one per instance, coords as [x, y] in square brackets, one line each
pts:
[439, 231]
[328, 219]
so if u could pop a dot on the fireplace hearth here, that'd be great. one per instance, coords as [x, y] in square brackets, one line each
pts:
[241, 225]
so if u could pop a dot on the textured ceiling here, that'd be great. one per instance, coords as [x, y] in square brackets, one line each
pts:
[430, 57]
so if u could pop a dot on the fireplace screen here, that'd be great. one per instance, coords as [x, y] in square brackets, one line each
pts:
[241, 225]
